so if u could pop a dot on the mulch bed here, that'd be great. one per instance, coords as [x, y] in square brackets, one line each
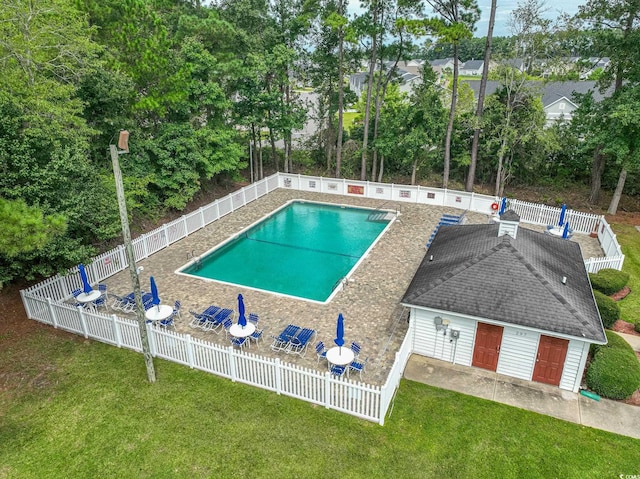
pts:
[621, 294]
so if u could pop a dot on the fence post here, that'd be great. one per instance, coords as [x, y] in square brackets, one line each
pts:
[116, 330]
[327, 389]
[166, 235]
[83, 322]
[123, 258]
[25, 303]
[232, 364]
[54, 320]
[190, 351]
[278, 378]
[202, 224]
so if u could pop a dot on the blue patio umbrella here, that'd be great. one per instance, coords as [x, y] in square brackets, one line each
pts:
[86, 287]
[339, 331]
[154, 293]
[563, 212]
[242, 320]
[503, 205]
[565, 231]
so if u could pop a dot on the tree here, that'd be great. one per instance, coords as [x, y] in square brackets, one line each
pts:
[481, 95]
[454, 22]
[614, 33]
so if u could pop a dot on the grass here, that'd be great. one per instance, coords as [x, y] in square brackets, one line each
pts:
[77, 408]
[629, 239]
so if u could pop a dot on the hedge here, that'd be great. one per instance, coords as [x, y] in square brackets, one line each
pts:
[609, 280]
[609, 309]
[614, 372]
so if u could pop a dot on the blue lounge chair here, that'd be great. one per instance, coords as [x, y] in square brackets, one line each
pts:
[220, 320]
[201, 320]
[298, 344]
[281, 342]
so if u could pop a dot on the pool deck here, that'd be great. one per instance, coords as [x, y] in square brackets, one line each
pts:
[369, 301]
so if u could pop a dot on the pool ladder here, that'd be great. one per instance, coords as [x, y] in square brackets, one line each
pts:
[197, 261]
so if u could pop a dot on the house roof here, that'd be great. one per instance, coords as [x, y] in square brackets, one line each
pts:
[473, 64]
[518, 281]
[551, 91]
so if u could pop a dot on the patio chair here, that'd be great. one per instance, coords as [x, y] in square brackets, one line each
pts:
[358, 366]
[338, 371]
[253, 318]
[298, 344]
[226, 324]
[176, 310]
[281, 342]
[101, 302]
[355, 347]
[167, 323]
[256, 335]
[321, 351]
[238, 342]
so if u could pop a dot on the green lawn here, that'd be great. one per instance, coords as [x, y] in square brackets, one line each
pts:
[629, 239]
[71, 407]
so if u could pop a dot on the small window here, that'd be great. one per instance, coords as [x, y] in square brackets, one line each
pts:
[561, 106]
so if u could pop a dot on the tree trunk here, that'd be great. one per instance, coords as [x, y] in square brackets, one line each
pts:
[274, 152]
[367, 110]
[256, 164]
[340, 95]
[613, 206]
[481, 94]
[381, 172]
[452, 114]
[597, 168]
[414, 171]
[499, 172]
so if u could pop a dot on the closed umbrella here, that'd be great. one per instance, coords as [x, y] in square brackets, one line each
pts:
[503, 205]
[565, 231]
[563, 212]
[242, 320]
[339, 332]
[86, 287]
[155, 299]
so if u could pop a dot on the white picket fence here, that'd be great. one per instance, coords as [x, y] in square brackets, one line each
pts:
[342, 394]
[44, 301]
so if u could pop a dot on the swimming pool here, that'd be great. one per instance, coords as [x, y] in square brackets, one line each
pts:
[304, 250]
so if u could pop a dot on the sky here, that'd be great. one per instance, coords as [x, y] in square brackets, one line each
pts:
[503, 11]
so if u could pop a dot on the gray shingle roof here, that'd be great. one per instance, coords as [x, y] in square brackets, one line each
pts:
[475, 272]
[551, 91]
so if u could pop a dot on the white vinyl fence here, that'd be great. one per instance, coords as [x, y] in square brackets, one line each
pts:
[44, 301]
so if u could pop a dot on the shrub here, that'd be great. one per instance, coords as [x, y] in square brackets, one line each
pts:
[614, 372]
[609, 280]
[609, 309]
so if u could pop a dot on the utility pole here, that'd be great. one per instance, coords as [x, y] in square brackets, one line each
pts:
[128, 247]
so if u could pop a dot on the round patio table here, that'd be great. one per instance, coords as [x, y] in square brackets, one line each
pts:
[239, 332]
[340, 356]
[88, 297]
[158, 313]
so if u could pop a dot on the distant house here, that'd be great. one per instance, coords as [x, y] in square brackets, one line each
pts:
[441, 65]
[472, 67]
[407, 75]
[506, 299]
[556, 96]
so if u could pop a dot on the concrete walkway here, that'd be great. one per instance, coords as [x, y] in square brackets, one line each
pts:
[605, 414]
[634, 341]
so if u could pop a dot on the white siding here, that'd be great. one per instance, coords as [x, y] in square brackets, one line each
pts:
[518, 353]
[574, 365]
[429, 342]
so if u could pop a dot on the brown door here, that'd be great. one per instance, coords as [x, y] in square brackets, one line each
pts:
[550, 360]
[487, 347]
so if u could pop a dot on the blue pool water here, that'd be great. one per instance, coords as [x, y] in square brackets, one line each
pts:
[302, 250]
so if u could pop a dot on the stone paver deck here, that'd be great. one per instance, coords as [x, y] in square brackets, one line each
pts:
[369, 301]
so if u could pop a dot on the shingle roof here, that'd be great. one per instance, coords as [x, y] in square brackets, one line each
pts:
[476, 273]
[473, 64]
[551, 91]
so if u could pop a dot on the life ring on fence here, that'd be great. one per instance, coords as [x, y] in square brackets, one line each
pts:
[495, 206]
